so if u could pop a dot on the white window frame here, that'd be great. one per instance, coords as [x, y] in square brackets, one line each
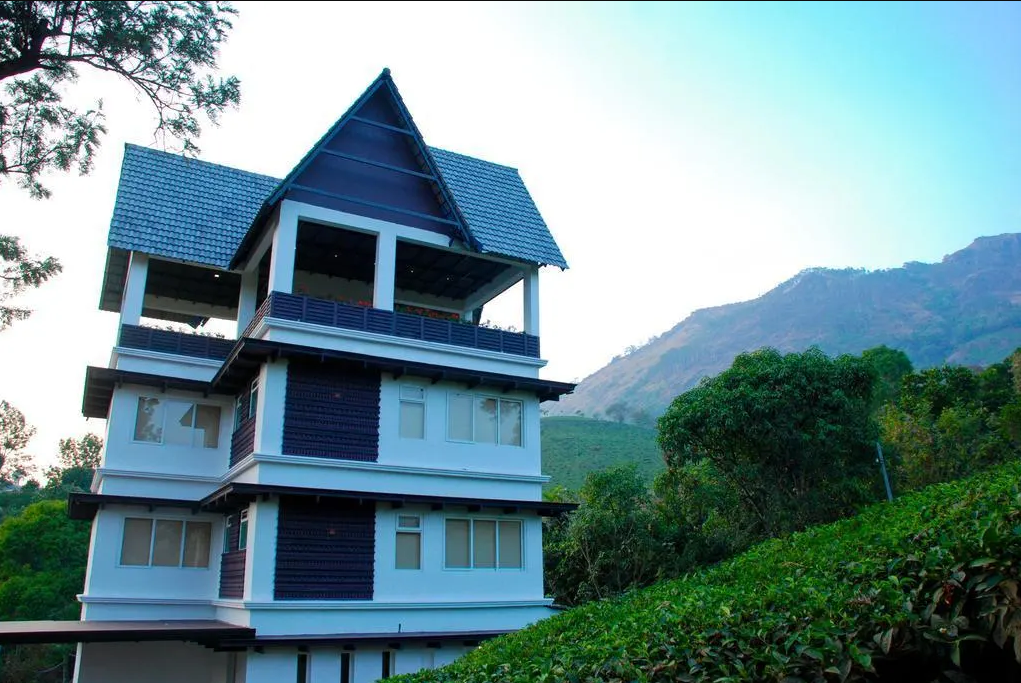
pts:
[164, 402]
[471, 543]
[475, 397]
[409, 530]
[239, 413]
[253, 398]
[243, 530]
[152, 543]
[422, 401]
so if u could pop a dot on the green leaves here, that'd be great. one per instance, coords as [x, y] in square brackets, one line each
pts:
[923, 576]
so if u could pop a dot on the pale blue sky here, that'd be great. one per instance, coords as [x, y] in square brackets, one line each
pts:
[684, 155]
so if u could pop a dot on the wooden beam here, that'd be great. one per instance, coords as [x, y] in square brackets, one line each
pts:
[378, 164]
[380, 124]
[375, 205]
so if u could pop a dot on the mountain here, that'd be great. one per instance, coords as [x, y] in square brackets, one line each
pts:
[574, 446]
[965, 310]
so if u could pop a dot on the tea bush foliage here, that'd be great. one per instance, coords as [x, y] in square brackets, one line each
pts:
[933, 577]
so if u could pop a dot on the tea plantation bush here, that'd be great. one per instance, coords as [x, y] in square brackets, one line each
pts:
[922, 589]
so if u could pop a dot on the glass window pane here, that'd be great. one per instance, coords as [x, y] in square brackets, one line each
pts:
[243, 531]
[484, 545]
[239, 413]
[409, 550]
[412, 420]
[136, 542]
[409, 521]
[149, 420]
[253, 398]
[207, 426]
[177, 429]
[510, 423]
[510, 545]
[412, 393]
[166, 550]
[457, 543]
[485, 420]
[459, 418]
[196, 544]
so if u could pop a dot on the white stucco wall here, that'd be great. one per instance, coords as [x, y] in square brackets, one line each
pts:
[436, 450]
[123, 453]
[433, 582]
[109, 580]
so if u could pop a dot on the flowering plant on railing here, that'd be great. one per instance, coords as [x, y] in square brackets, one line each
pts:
[427, 312]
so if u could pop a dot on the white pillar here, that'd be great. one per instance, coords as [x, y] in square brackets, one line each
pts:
[246, 299]
[324, 665]
[386, 271]
[269, 408]
[133, 297]
[271, 666]
[368, 666]
[285, 247]
[260, 556]
[531, 307]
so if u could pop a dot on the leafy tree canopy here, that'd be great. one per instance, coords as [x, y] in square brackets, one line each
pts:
[15, 433]
[792, 434]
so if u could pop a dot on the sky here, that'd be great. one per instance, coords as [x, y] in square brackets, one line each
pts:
[683, 155]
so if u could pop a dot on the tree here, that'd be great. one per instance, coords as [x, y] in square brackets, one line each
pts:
[617, 411]
[77, 461]
[891, 366]
[15, 433]
[164, 49]
[791, 434]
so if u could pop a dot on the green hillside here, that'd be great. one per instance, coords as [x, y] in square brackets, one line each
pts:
[574, 446]
[922, 589]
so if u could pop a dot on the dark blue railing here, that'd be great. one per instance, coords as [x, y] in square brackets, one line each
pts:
[180, 343]
[407, 325]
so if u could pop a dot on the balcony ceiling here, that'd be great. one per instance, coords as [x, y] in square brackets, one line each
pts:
[423, 269]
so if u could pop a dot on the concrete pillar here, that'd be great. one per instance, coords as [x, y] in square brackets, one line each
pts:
[531, 296]
[246, 299]
[368, 666]
[386, 271]
[272, 666]
[260, 557]
[133, 297]
[324, 665]
[269, 408]
[285, 247]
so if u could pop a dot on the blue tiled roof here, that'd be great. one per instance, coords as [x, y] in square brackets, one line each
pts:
[172, 206]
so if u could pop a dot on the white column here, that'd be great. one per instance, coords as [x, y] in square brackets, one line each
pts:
[260, 557]
[386, 271]
[269, 408]
[324, 665]
[271, 666]
[531, 307]
[368, 666]
[246, 299]
[134, 289]
[285, 247]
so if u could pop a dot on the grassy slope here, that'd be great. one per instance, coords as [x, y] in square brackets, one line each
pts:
[833, 598]
[574, 446]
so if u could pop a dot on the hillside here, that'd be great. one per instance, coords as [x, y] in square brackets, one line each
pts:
[574, 446]
[964, 310]
[901, 593]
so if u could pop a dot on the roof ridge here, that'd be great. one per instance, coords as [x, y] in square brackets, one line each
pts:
[151, 150]
[469, 156]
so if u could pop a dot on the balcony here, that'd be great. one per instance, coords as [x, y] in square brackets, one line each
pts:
[179, 343]
[342, 315]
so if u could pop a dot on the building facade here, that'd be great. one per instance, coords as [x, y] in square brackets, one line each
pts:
[351, 487]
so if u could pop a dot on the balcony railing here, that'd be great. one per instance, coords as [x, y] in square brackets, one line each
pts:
[180, 343]
[405, 325]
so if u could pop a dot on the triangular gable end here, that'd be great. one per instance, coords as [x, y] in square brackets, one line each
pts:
[373, 162]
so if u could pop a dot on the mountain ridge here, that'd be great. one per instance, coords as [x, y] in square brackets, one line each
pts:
[963, 309]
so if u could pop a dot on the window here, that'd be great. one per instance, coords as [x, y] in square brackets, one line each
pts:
[484, 419]
[345, 667]
[239, 413]
[243, 531]
[165, 543]
[253, 398]
[302, 667]
[177, 423]
[387, 669]
[483, 544]
[412, 412]
[409, 542]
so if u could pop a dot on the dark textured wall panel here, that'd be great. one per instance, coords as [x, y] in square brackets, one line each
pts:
[242, 442]
[331, 412]
[232, 574]
[325, 549]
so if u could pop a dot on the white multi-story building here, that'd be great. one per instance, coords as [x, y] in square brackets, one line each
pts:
[350, 488]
